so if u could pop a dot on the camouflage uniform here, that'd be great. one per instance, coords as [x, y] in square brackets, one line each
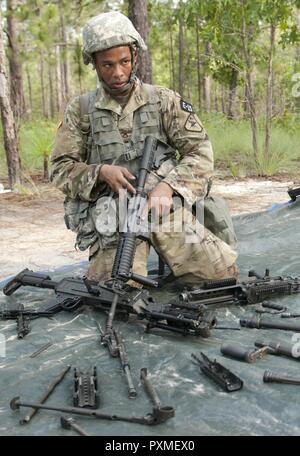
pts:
[108, 134]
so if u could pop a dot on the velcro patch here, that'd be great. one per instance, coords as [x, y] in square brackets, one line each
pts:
[185, 106]
[193, 124]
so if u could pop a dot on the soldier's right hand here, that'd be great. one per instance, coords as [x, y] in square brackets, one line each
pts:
[117, 177]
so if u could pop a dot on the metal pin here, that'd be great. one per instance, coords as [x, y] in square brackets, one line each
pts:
[40, 350]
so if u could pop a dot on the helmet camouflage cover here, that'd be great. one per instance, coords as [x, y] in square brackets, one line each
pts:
[108, 30]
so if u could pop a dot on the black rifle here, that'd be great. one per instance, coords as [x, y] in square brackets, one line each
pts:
[155, 152]
[187, 314]
[71, 293]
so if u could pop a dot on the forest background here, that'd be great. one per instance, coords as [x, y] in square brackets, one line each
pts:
[236, 61]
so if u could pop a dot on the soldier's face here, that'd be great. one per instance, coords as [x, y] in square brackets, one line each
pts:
[114, 66]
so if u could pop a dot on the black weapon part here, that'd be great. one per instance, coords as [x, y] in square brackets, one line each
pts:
[290, 315]
[23, 323]
[47, 393]
[85, 393]
[23, 326]
[33, 279]
[273, 305]
[90, 288]
[232, 328]
[122, 267]
[180, 322]
[277, 308]
[125, 364]
[250, 291]
[40, 350]
[293, 193]
[253, 273]
[67, 422]
[228, 381]
[271, 377]
[242, 354]
[263, 322]
[108, 340]
[149, 387]
[113, 341]
[156, 417]
[166, 410]
[279, 348]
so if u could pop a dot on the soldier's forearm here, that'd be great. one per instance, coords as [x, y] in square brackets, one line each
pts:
[77, 179]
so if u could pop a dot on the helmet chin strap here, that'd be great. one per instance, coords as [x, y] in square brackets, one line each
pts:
[127, 87]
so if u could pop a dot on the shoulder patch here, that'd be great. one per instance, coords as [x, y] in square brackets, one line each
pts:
[193, 124]
[185, 106]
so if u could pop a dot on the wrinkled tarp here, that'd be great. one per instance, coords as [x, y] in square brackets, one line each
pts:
[269, 239]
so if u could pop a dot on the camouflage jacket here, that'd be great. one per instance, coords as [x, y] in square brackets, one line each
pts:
[76, 176]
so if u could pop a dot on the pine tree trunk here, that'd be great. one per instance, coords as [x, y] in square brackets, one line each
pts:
[8, 122]
[246, 37]
[199, 64]
[62, 77]
[29, 92]
[181, 56]
[269, 99]
[65, 67]
[232, 94]
[51, 94]
[172, 60]
[216, 97]
[246, 103]
[46, 168]
[43, 91]
[58, 82]
[138, 14]
[15, 65]
[297, 61]
[207, 83]
[223, 100]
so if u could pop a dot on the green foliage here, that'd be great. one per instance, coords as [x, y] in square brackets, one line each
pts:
[36, 141]
[284, 153]
[233, 149]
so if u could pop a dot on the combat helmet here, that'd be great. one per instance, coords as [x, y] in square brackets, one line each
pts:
[108, 30]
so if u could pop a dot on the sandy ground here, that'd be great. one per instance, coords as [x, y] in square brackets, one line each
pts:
[33, 233]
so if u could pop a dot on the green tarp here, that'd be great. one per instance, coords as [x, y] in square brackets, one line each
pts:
[270, 239]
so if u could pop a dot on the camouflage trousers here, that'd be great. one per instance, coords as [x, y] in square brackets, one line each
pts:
[191, 251]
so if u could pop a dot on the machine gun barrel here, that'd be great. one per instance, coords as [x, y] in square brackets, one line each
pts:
[246, 292]
[258, 321]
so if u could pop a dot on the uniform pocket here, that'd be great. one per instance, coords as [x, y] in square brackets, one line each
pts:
[78, 219]
[217, 219]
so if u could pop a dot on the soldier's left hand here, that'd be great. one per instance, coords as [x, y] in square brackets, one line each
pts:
[160, 200]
